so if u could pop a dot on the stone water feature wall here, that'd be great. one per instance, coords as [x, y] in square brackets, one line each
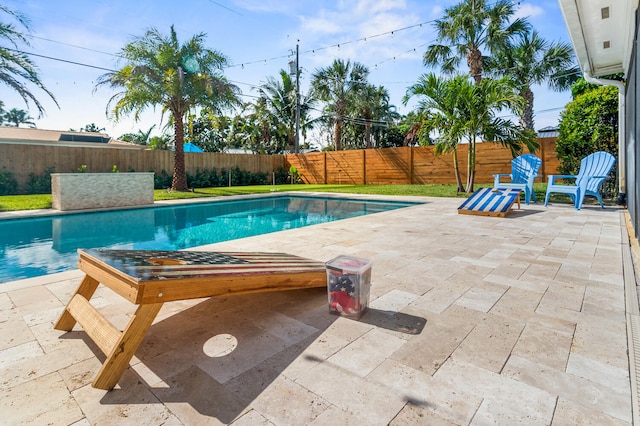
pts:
[78, 191]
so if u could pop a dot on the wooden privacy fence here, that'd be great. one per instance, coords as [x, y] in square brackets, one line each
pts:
[404, 165]
[24, 159]
[408, 165]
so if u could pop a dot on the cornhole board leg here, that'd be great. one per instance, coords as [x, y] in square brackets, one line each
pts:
[490, 202]
[86, 289]
[118, 346]
[126, 346]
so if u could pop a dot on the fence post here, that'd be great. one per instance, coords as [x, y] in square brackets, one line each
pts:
[364, 166]
[544, 160]
[324, 165]
[410, 147]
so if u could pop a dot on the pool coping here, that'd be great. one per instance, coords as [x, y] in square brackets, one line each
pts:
[24, 214]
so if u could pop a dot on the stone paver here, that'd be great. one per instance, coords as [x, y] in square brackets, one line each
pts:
[472, 320]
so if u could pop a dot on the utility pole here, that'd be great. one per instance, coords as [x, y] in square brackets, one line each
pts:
[296, 71]
[297, 146]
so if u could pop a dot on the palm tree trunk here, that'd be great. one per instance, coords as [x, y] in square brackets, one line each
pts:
[337, 134]
[474, 61]
[179, 182]
[526, 119]
[471, 165]
[456, 170]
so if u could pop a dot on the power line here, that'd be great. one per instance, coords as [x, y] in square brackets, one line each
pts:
[225, 7]
[73, 45]
[61, 60]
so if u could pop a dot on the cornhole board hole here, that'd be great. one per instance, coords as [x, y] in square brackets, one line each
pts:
[490, 202]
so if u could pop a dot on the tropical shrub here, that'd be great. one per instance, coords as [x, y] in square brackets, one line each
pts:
[589, 124]
[162, 180]
[8, 183]
[213, 178]
[40, 184]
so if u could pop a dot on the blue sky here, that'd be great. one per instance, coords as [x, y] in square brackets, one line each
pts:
[258, 37]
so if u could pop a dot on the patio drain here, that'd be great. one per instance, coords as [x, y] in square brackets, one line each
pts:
[632, 308]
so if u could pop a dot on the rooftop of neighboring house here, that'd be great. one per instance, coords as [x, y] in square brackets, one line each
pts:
[61, 138]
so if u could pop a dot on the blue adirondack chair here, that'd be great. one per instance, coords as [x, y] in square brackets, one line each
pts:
[594, 169]
[524, 169]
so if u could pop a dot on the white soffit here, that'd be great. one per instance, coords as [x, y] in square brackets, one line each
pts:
[601, 32]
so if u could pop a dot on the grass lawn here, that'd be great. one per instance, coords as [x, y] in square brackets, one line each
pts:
[43, 201]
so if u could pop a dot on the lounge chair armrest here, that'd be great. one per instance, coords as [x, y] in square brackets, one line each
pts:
[552, 178]
[496, 177]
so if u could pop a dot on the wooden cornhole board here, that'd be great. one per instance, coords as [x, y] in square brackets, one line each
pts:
[490, 202]
[149, 278]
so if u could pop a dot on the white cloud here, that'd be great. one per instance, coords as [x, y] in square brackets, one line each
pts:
[319, 25]
[375, 6]
[528, 10]
[271, 6]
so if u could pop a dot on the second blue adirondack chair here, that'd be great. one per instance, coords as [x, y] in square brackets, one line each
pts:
[594, 169]
[524, 170]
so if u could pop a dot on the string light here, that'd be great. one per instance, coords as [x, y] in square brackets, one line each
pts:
[338, 45]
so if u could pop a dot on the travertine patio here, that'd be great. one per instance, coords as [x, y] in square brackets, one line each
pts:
[473, 320]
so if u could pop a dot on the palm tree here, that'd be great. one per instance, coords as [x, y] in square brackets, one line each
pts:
[140, 138]
[462, 111]
[16, 69]
[254, 129]
[372, 106]
[338, 85]
[18, 117]
[439, 104]
[533, 60]
[479, 104]
[92, 127]
[160, 71]
[279, 104]
[469, 27]
[278, 97]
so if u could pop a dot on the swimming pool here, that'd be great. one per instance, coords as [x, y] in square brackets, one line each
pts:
[45, 245]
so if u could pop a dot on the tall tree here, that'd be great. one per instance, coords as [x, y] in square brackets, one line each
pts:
[279, 107]
[255, 129]
[18, 117]
[372, 107]
[338, 86]
[467, 29]
[588, 124]
[92, 127]
[530, 60]
[142, 137]
[479, 107]
[279, 103]
[210, 131]
[463, 111]
[439, 103]
[17, 71]
[160, 71]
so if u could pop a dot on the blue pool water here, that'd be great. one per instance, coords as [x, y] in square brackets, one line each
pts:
[45, 245]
